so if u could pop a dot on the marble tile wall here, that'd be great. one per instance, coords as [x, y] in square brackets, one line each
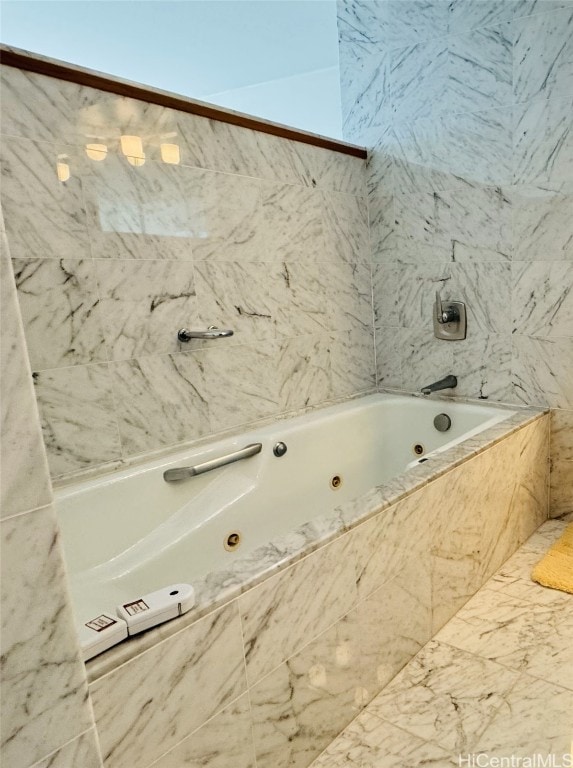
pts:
[276, 674]
[248, 231]
[465, 107]
[45, 717]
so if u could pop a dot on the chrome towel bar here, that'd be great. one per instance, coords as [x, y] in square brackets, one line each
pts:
[182, 473]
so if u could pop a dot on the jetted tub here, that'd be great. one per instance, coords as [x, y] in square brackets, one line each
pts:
[130, 533]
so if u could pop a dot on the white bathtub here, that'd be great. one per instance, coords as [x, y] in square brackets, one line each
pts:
[131, 532]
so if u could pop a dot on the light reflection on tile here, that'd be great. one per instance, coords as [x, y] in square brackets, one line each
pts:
[44, 217]
[302, 705]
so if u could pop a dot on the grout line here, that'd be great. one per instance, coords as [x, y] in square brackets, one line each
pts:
[67, 743]
[41, 508]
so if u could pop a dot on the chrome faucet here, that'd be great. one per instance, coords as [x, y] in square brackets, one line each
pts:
[448, 383]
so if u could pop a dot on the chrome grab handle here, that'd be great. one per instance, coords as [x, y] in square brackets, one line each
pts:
[211, 333]
[182, 473]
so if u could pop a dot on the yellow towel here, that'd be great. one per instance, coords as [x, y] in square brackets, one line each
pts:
[555, 570]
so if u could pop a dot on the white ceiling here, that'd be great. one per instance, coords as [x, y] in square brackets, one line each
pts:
[193, 47]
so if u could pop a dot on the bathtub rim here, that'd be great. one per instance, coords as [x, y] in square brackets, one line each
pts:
[321, 531]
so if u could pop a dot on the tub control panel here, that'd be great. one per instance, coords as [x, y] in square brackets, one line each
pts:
[112, 627]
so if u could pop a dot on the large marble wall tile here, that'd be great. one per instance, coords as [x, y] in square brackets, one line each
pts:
[217, 146]
[561, 493]
[476, 146]
[143, 305]
[352, 362]
[542, 299]
[78, 417]
[404, 22]
[485, 13]
[542, 371]
[382, 149]
[293, 220]
[453, 151]
[83, 752]
[486, 290]
[304, 293]
[138, 212]
[304, 372]
[418, 75]
[39, 107]
[424, 358]
[479, 70]
[226, 741]
[478, 223]
[225, 215]
[381, 221]
[244, 378]
[444, 696]
[405, 295]
[420, 228]
[420, 164]
[365, 86]
[542, 228]
[396, 621]
[188, 678]
[388, 356]
[44, 217]
[347, 289]
[390, 543]
[346, 228]
[543, 143]
[43, 680]
[562, 435]
[543, 55]
[289, 610]
[25, 479]
[329, 171]
[358, 22]
[242, 296]
[59, 304]
[302, 705]
[160, 400]
[483, 366]
[530, 501]
[471, 540]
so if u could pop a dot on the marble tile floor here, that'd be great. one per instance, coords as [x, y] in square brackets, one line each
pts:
[495, 682]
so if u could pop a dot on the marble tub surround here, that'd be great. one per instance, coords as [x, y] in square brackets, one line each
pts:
[561, 462]
[219, 587]
[312, 652]
[263, 235]
[456, 697]
[466, 117]
[82, 751]
[187, 680]
[25, 480]
[45, 716]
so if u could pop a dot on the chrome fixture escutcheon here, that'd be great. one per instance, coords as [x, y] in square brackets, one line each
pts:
[450, 320]
[279, 449]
